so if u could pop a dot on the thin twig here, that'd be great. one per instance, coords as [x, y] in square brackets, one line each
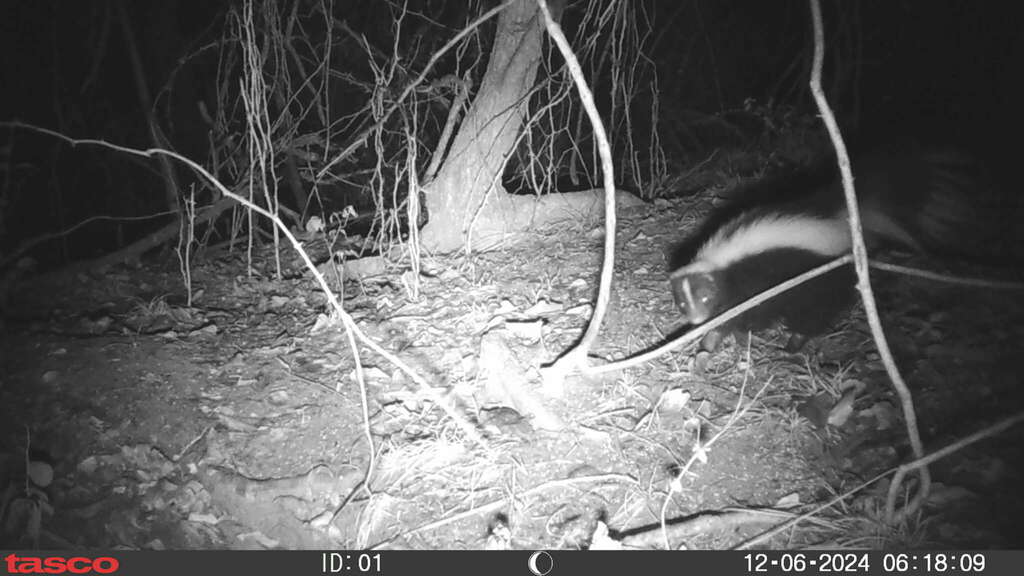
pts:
[860, 261]
[32, 243]
[722, 318]
[361, 138]
[948, 279]
[921, 462]
[576, 358]
[701, 450]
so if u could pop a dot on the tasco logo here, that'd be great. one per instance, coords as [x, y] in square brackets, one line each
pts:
[60, 565]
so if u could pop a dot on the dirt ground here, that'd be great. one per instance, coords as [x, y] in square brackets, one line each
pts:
[237, 422]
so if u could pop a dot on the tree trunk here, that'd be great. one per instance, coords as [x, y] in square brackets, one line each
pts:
[468, 207]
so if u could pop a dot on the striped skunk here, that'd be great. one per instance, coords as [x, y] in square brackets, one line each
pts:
[911, 199]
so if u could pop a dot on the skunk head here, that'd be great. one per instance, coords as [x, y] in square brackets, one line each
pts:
[922, 203]
[743, 258]
[696, 289]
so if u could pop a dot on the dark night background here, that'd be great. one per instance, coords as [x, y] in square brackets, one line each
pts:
[942, 71]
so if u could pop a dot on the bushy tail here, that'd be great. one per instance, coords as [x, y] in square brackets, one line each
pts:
[926, 200]
[947, 219]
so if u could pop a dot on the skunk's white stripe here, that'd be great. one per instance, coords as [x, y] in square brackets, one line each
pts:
[688, 294]
[738, 240]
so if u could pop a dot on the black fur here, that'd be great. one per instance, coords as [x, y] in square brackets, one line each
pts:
[915, 199]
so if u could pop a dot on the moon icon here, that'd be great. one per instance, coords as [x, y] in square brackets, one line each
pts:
[540, 563]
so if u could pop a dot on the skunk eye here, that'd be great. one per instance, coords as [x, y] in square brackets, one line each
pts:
[705, 292]
[704, 295]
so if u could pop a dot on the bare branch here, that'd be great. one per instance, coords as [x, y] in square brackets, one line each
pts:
[860, 260]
